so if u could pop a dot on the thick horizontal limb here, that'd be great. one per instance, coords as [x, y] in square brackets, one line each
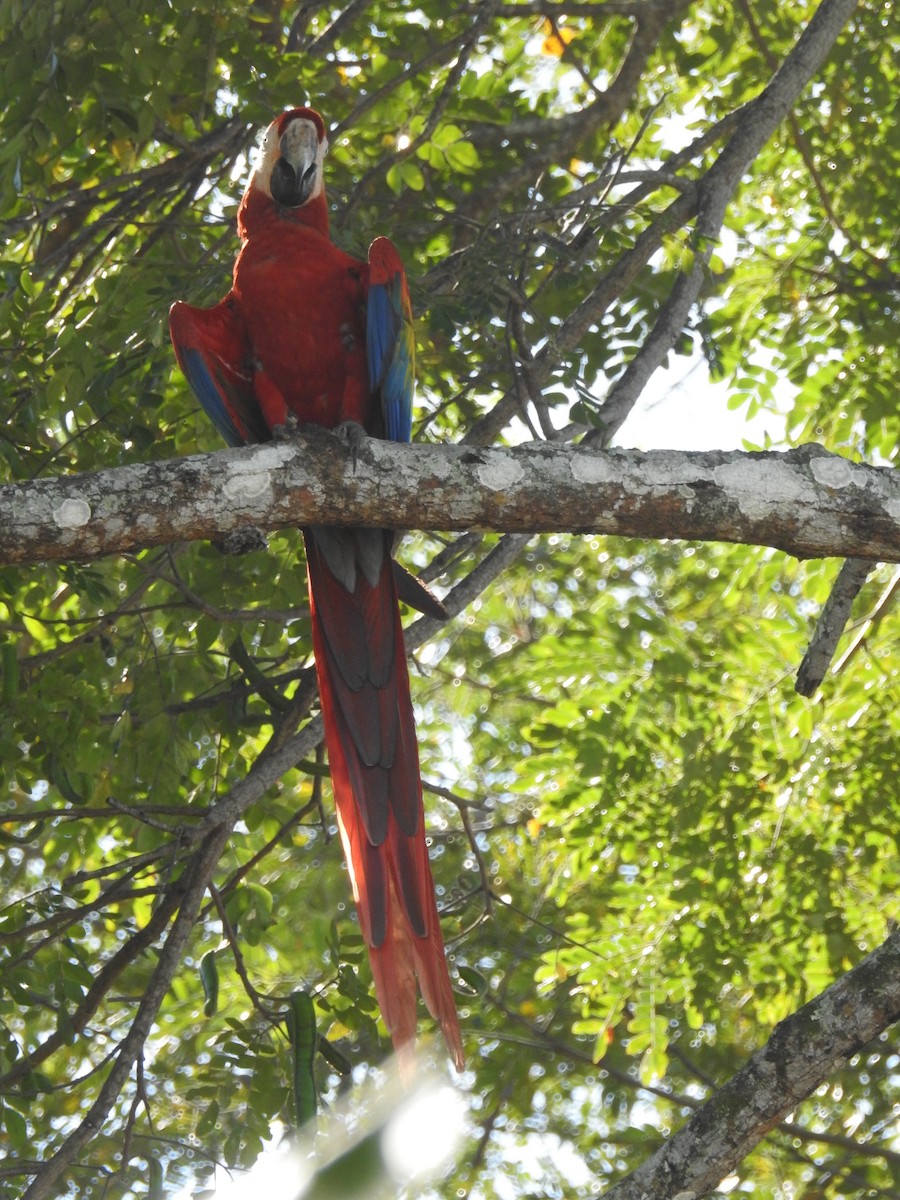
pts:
[806, 502]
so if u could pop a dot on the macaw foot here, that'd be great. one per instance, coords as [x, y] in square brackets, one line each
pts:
[349, 433]
[289, 430]
[352, 434]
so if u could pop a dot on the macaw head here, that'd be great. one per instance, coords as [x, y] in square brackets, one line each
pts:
[289, 170]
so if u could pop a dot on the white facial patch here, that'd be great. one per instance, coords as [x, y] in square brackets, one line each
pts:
[301, 141]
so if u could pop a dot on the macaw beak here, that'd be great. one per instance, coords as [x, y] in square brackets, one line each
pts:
[294, 174]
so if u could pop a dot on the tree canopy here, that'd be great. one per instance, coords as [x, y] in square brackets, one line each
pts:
[649, 849]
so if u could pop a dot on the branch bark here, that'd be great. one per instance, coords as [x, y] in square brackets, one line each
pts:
[830, 627]
[807, 502]
[803, 1051]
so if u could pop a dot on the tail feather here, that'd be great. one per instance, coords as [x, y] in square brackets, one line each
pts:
[358, 657]
[372, 751]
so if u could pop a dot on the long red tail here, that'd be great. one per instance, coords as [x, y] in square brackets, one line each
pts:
[371, 739]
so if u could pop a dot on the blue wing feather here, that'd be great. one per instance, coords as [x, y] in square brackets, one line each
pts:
[390, 340]
[210, 395]
[209, 346]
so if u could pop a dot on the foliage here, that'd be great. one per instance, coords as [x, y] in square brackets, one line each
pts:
[649, 849]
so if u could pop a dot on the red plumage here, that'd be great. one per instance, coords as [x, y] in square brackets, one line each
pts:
[308, 331]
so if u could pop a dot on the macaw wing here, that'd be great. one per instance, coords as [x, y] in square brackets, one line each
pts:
[390, 341]
[214, 353]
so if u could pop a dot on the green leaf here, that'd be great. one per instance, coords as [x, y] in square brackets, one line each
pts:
[209, 977]
[16, 1127]
[301, 1023]
[411, 175]
[208, 1119]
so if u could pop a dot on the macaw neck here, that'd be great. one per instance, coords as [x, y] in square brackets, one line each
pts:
[257, 210]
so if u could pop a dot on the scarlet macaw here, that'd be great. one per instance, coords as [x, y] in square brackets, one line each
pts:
[311, 334]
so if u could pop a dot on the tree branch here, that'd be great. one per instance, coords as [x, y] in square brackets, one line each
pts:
[760, 118]
[830, 627]
[803, 1051]
[806, 501]
[197, 875]
[105, 976]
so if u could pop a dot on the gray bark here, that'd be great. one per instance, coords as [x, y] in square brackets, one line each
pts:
[807, 502]
[830, 627]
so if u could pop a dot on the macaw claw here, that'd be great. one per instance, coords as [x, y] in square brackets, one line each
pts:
[352, 434]
[289, 430]
[349, 433]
